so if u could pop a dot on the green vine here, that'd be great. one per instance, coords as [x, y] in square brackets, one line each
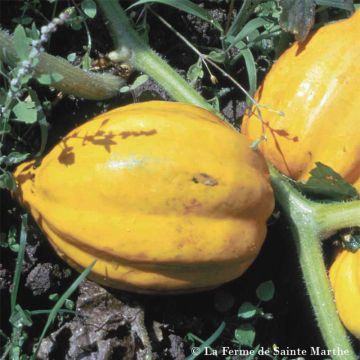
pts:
[74, 81]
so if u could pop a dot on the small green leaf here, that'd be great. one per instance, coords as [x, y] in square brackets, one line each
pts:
[71, 57]
[89, 8]
[48, 79]
[25, 112]
[247, 310]
[217, 56]
[54, 297]
[124, 89]
[11, 239]
[195, 72]
[20, 317]
[15, 158]
[139, 81]
[245, 335]
[187, 6]
[265, 291]
[86, 62]
[325, 182]
[33, 33]
[250, 64]
[248, 29]
[215, 102]
[7, 181]
[21, 44]
[69, 304]
[24, 20]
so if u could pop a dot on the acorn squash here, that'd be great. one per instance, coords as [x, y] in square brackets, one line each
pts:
[345, 280]
[166, 196]
[311, 102]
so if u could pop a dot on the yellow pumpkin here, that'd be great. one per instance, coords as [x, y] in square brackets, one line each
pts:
[345, 280]
[311, 102]
[166, 196]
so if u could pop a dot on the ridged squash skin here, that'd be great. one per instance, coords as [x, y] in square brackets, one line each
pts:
[315, 85]
[345, 280]
[164, 195]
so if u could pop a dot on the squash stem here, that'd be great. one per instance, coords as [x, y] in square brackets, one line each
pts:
[302, 215]
[335, 216]
[75, 81]
[143, 58]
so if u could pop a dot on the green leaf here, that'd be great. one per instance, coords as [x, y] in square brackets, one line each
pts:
[89, 8]
[54, 297]
[11, 239]
[139, 81]
[246, 11]
[25, 112]
[340, 4]
[217, 56]
[297, 17]
[124, 89]
[245, 335]
[208, 342]
[21, 44]
[86, 62]
[249, 28]
[247, 310]
[195, 72]
[24, 20]
[187, 6]
[69, 304]
[250, 67]
[48, 79]
[325, 182]
[19, 263]
[15, 158]
[265, 291]
[20, 317]
[71, 57]
[33, 33]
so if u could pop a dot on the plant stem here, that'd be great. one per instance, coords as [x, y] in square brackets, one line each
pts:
[143, 58]
[302, 215]
[75, 81]
[335, 216]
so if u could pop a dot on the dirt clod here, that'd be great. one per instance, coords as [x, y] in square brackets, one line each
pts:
[104, 328]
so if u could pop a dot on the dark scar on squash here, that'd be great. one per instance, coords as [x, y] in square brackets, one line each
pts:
[126, 134]
[205, 179]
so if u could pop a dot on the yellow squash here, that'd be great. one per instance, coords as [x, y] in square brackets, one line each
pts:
[165, 196]
[345, 280]
[311, 102]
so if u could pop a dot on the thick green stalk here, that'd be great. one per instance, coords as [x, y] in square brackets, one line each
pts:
[335, 216]
[130, 46]
[75, 81]
[302, 215]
